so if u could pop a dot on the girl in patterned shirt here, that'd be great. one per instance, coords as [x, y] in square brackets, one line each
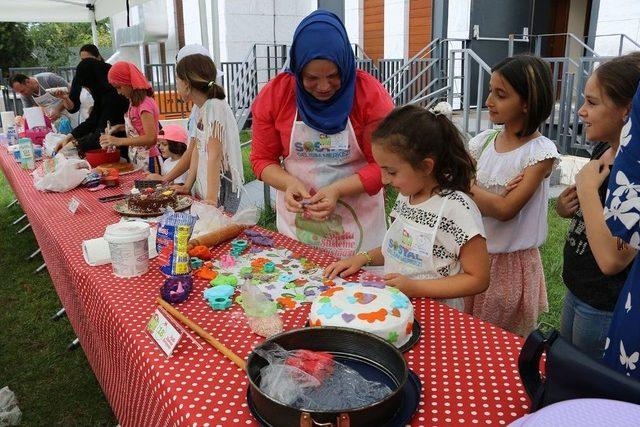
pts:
[435, 246]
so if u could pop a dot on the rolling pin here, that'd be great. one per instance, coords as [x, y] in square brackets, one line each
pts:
[216, 237]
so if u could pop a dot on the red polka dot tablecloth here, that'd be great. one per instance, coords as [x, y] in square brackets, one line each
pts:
[468, 368]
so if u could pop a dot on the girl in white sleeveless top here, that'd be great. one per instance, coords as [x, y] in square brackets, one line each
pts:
[520, 99]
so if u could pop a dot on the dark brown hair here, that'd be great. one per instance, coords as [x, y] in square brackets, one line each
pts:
[415, 134]
[200, 72]
[530, 77]
[92, 49]
[138, 95]
[19, 78]
[619, 78]
[176, 147]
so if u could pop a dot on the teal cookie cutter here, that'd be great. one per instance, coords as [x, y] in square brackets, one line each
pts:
[238, 246]
[219, 297]
[269, 267]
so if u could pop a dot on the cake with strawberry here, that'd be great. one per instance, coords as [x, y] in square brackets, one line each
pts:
[371, 307]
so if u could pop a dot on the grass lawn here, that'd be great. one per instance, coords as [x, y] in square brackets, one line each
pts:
[57, 387]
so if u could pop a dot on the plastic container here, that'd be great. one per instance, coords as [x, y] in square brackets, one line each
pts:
[12, 135]
[101, 156]
[27, 158]
[129, 248]
[37, 152]
[14, 150]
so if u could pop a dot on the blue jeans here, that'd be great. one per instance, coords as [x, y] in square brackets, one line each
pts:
[584, 326]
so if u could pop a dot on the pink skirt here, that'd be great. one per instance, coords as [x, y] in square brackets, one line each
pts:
[516, 295]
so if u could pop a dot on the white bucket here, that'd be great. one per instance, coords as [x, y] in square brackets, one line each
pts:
[129, 248]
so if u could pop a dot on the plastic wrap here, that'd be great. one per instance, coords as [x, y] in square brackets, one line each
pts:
[314, 381]
[10, 414]
[261, 312]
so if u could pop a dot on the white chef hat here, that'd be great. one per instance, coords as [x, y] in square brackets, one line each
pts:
[192, 49]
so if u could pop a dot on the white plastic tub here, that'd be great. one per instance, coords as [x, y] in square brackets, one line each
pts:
[129, 248]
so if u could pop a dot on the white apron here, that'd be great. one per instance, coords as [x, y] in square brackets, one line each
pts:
[318, 160]
[138, 155]
[408, 250]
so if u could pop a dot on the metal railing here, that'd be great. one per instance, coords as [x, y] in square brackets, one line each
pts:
[622, 39]
[412, 79]
[163, 82]
[262, 63]
[571, 43]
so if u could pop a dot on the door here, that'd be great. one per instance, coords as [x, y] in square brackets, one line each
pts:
[496, 19]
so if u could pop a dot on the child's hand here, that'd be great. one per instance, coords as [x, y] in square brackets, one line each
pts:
[512, 184]
[181, 189]
[153, 177]
[591, 176]
[109, 141]
[345, 267]
[400, 281]
[110, 130]
[568, 202]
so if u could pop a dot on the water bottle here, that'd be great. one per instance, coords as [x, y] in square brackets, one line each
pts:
[27, 159]
[12, 135]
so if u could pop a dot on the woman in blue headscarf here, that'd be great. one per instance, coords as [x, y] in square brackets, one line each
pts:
[318, 117]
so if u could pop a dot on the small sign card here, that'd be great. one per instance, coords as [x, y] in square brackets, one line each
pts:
[163, 332]
[74, 204]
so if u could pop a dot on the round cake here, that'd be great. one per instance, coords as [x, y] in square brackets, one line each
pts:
[151, 200]
[370, 307]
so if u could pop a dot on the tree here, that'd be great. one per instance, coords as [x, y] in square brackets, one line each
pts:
[15, 46]
[52, 41]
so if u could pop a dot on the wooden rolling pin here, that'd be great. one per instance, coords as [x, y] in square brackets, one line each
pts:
[216, 237]
[203, 334]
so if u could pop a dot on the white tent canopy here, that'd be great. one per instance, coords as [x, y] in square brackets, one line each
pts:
[61, 10]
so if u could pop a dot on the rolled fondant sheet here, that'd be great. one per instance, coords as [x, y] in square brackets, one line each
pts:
[96, 251]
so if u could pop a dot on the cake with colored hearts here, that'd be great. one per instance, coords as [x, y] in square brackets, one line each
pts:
[370, 307]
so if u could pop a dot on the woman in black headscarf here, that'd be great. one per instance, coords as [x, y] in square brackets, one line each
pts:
[108, 106]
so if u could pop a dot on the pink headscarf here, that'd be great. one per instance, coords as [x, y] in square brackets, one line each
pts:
[126, 73]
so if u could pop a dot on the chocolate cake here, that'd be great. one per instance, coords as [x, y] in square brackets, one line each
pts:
[151, 200]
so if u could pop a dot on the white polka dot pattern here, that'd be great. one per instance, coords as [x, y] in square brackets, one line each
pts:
[468, 368]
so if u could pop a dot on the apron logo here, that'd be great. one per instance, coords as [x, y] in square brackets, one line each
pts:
[399, 251]
[325, 142]
[407, 240]
[318, 149]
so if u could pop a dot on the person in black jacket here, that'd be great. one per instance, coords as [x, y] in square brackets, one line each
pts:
[72, 101]
[108, 107]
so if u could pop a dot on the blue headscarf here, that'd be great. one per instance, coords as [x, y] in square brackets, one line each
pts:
[321, 35]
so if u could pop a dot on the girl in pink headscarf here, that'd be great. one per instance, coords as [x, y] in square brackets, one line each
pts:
[141, 120]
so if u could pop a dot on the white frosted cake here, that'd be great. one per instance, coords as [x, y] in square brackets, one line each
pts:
[371, 307]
